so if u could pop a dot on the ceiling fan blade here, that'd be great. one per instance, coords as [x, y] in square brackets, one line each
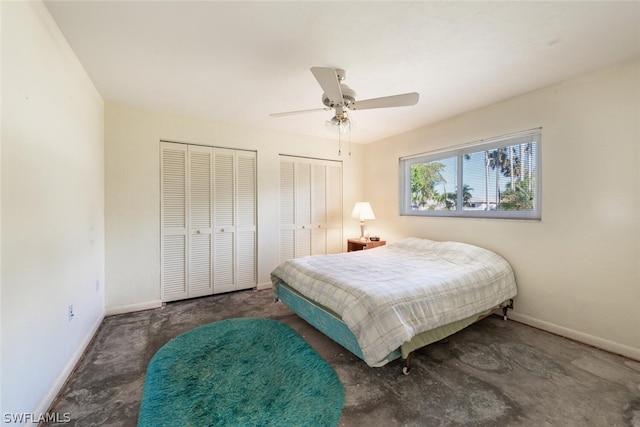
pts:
[328, 80]
[292, 113]
[402, 100]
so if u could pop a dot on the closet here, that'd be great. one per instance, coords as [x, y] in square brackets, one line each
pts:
[208, 220]
[310, 207]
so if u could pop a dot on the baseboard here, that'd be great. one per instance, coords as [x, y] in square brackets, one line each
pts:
[263, 286]
[60, 381]
[601, 343]
[130, 308]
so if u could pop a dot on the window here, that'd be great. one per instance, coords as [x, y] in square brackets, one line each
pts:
[496, 178]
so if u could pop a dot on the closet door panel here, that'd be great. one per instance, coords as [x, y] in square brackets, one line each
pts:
[303, 241]
[223, 272]
[174, 267]
[173, 219]
[318, 240]
[287, 244]
[246, 276]
[319, 194]
[334, 209]
[224, 189]
[200, 220]
[224, 221]
[334, 240]
[200, 279]
[303, 209]
[318, 208]
[200, 197]
[287, 209]
[246, 190]
[246, 220]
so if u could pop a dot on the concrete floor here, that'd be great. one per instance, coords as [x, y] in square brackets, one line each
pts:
[493, 373]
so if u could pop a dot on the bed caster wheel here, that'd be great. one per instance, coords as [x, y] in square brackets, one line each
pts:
[406, 370]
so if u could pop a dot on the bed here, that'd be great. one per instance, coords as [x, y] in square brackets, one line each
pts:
[386, 302]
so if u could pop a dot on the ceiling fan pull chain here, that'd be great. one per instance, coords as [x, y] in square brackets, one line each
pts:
[349, 137]
[339, 139]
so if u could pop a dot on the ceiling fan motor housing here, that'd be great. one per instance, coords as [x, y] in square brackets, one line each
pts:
[348, 97]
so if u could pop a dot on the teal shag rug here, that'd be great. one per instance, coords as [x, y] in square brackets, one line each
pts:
[240, 372]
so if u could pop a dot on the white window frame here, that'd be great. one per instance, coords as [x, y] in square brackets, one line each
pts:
[458, 152]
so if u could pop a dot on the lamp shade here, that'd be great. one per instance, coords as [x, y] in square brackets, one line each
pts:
[362, 211]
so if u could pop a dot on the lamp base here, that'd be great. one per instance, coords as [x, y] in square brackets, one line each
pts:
[364, 234]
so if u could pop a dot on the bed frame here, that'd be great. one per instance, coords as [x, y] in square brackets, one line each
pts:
[330, 324]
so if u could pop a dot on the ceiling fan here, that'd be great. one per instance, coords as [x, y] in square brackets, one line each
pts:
[340, 97]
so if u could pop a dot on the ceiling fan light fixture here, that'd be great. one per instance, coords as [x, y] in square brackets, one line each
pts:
[341, 125]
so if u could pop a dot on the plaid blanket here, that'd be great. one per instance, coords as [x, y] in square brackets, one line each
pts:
[391, 293]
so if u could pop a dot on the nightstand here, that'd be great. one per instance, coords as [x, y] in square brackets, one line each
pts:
[359, 245]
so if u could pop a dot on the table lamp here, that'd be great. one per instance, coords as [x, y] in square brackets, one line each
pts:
[363, 212]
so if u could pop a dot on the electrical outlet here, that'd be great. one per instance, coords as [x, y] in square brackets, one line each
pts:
[97, 285]
[71, 313]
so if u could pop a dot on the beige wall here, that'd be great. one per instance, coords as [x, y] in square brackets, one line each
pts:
[132, 141]
[578, 270]
[52, 208]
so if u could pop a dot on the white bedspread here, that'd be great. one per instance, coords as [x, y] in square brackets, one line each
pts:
[389, 294]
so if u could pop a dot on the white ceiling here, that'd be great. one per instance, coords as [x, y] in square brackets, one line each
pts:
[236, 62]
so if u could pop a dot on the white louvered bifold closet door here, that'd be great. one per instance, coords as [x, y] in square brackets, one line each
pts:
[303, 209]
[318, 209]
[334, 208]
[235, 220]
[173, 218]
[224, 227]
[208, 220]
[246, 276]
[287, 209]
[310, 207]
[200, 221]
